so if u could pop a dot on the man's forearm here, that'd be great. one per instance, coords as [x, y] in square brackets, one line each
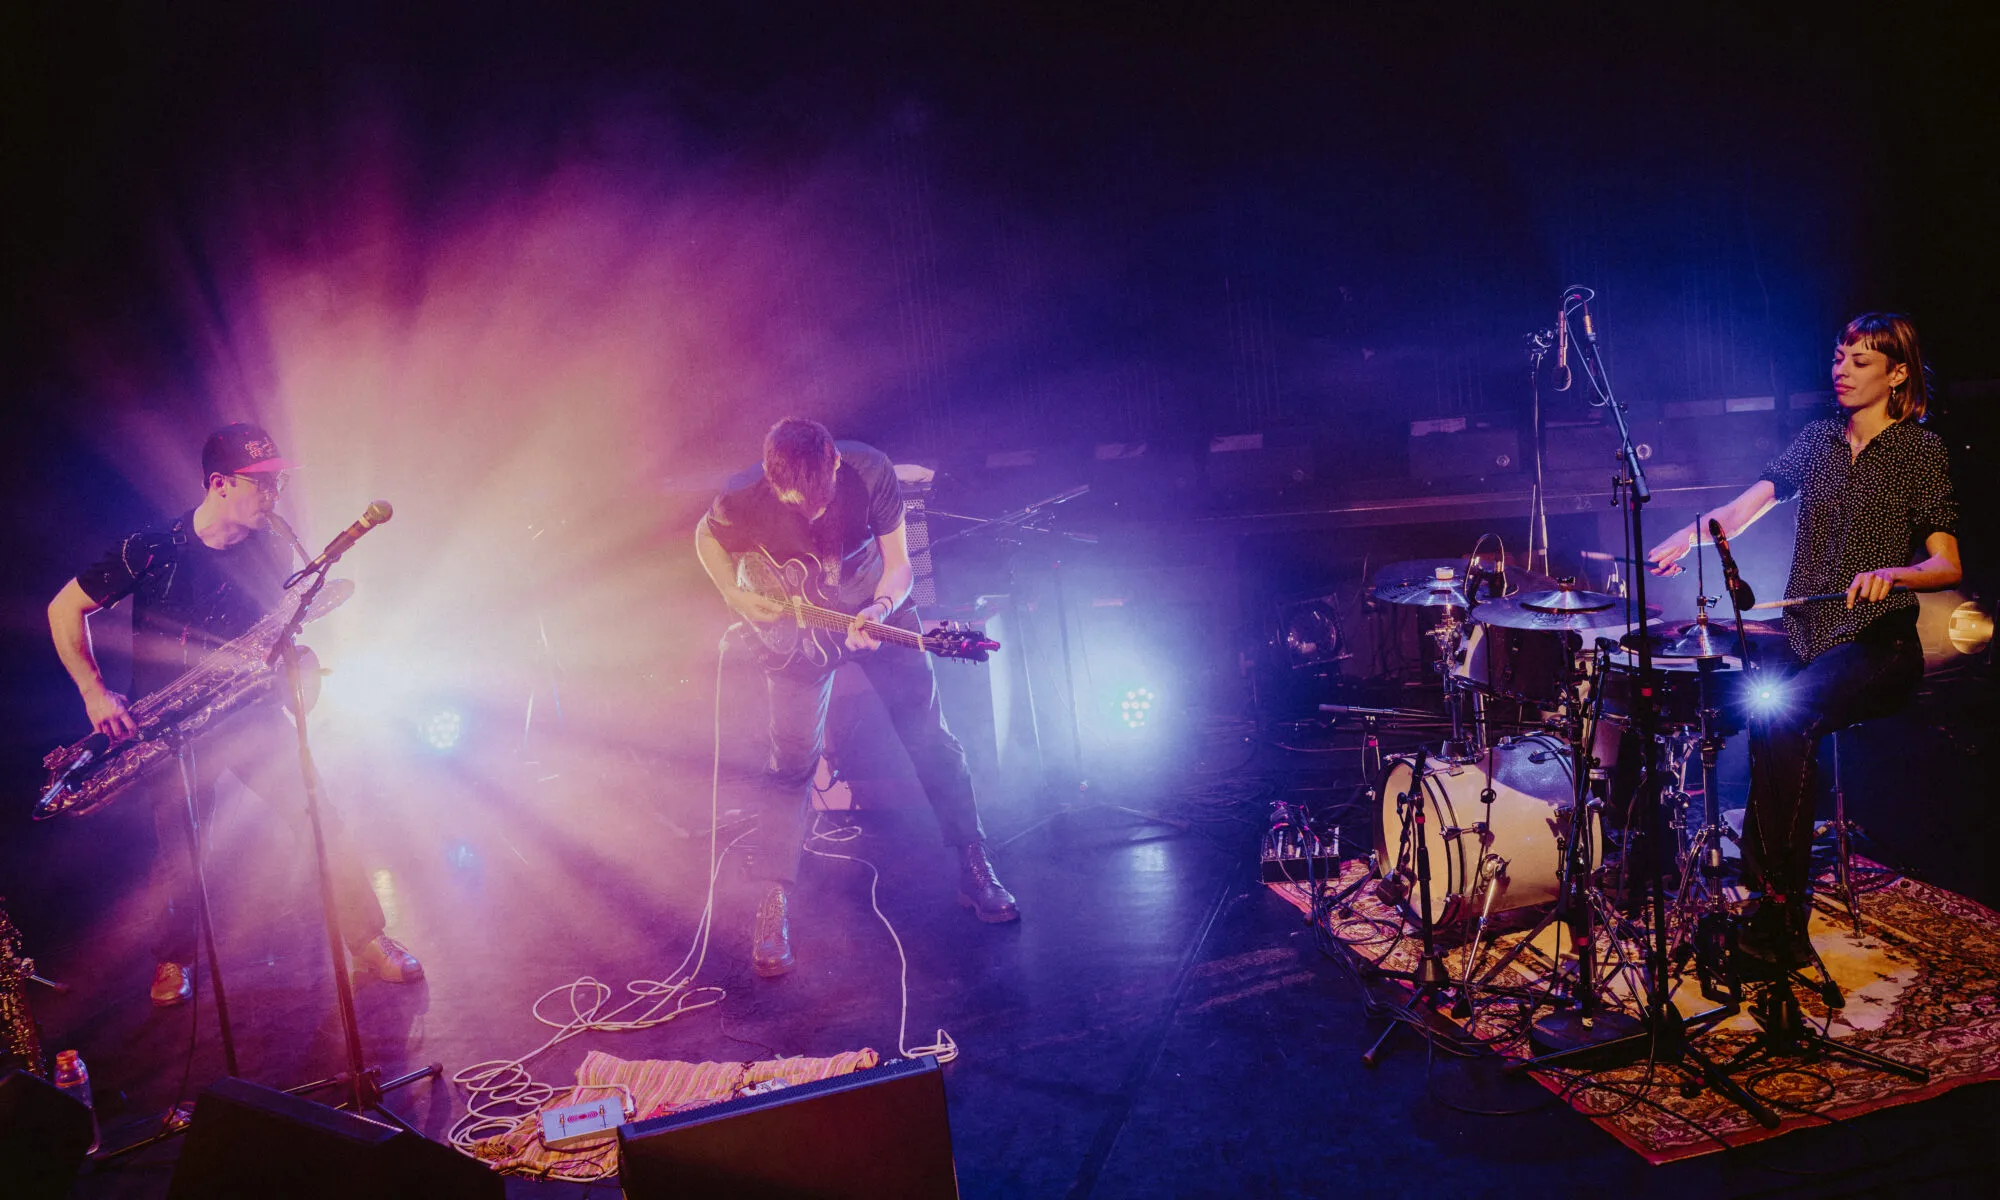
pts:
[71, 635]
[718, 562]
[894, 586]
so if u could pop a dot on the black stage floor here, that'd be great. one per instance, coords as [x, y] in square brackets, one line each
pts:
[1157, 1025]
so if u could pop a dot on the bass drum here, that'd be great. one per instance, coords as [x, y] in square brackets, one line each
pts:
[1533, 794]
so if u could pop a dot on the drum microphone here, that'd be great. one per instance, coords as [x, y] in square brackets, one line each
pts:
[1739, 591]
[378, 513]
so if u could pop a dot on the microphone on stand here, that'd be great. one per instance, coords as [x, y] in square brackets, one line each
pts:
[377, 513]
[1739, 591]
[1562, 378]
[1589, 330]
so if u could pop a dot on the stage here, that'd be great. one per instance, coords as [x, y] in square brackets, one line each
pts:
[1159, 1023]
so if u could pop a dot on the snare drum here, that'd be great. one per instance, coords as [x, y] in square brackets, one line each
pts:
[1677, 696]
[1533, 796]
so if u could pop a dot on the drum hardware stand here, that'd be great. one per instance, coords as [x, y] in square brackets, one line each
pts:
[1843, 831]
[1663, 1033]
[1430, 976]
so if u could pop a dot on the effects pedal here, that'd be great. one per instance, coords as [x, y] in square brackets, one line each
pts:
[575, 1124]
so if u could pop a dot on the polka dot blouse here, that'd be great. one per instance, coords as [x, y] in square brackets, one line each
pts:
[1858, 514]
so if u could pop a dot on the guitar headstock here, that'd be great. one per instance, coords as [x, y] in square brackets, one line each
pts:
[954, 640]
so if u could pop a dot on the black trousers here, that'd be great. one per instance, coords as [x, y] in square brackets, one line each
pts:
[799, 693]
[260, 747]
[1871, 677]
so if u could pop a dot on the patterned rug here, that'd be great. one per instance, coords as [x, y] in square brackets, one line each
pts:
[1921, 987]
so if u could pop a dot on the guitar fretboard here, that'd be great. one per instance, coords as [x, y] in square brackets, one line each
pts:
[834, 619]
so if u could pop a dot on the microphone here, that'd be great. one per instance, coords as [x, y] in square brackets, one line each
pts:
[1563, 378]
[1589, 330]
[1739, 591]
[378, 513]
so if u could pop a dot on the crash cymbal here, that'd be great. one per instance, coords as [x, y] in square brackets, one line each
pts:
[1566, 597]
[1511, 613]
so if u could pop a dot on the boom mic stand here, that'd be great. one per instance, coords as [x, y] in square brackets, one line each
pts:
[1663, 1032]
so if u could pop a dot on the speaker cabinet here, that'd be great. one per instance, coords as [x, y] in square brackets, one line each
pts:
[252, 1143]
[43, 1138]
[866, 1136]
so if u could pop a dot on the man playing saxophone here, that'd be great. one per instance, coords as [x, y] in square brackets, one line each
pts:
[194, 584]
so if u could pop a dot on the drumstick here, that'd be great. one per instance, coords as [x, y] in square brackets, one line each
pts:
[1795, 601]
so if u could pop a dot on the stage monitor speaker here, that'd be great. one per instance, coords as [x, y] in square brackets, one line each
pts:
[872, 1134]
[249, 1142]
[43, 1138]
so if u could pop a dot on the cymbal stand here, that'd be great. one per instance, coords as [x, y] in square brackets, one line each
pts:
[1449, 636]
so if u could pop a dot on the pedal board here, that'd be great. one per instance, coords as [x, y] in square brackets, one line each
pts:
[1300, 868]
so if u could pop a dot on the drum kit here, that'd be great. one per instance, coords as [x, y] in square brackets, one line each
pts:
[1491, 819]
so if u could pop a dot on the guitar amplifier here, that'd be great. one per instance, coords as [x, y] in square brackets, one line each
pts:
[917, 530]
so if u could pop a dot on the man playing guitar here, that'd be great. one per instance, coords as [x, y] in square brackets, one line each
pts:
[835, 508]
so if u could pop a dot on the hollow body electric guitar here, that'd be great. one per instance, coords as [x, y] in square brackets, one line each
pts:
[815, 629]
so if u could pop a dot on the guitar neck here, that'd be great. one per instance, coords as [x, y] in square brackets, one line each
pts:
[834, 619]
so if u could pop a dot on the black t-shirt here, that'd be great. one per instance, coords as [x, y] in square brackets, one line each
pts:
[1858, 513]
[186, 597]
[867, 503]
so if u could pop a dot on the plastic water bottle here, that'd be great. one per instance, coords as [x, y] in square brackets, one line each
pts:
[73, 1080]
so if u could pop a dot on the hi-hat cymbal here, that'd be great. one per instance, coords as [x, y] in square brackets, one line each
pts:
[1699, 640]
[1713, 639]
[1566, 597]
[1512, 613]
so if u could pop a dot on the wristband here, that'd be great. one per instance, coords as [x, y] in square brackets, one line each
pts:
[888, 605]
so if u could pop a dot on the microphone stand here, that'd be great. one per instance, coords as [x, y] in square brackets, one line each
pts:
[1662, 1035]
[363, 1084]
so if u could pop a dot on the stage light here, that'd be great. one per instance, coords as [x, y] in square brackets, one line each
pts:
[1136, 709]
[441, 729]
[1767, 696]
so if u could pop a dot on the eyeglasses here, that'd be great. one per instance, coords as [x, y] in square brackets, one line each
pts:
[265, 481]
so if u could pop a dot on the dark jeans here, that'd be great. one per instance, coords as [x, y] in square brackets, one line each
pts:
[1861, 680]
[799, 692]
[260, 747]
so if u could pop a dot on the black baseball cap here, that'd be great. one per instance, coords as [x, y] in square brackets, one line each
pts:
[242, 449]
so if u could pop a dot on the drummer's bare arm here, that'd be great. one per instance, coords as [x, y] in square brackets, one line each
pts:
[1736, 516]
[1938, 571]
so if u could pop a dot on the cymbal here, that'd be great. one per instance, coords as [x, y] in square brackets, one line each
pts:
[1512, 613]
[1439, 593]
[1716, 639]
[1566, 597]
[1415, 582]
[1699, 640]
